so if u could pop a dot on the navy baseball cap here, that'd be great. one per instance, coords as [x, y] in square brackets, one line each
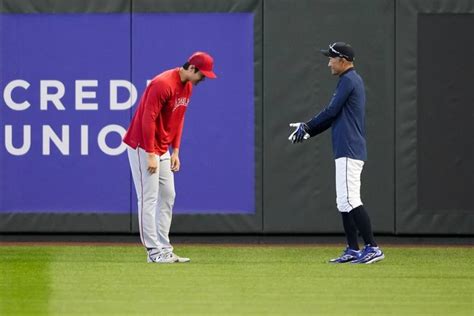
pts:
[339, 49]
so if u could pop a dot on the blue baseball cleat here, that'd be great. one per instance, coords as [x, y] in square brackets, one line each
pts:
[349, 255]
[370, 255]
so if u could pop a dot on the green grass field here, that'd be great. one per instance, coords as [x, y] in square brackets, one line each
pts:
[233, 280]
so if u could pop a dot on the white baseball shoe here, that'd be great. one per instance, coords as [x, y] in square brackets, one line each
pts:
[180, 259]
[163, 258]
[167, 257]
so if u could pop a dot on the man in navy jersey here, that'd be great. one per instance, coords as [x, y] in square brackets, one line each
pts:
[345, 114]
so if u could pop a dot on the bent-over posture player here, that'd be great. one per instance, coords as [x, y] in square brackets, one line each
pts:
[345, 114]
[156, 126]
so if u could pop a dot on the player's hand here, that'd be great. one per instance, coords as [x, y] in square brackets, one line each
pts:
[175, 163]
[152, 163]
[300, 134]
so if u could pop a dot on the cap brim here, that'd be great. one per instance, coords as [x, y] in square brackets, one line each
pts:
[327, 53]
[209, 74]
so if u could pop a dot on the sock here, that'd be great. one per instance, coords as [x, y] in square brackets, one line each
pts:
[362, 221]
[350, 229]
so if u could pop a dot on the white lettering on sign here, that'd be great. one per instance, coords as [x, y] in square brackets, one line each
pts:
[103, 145]
[7, 95]
[114, 104]
[52, 92]
[62, 143]
[61, 140]
[17, 96]
[81, 95]
[84, 140]
[54, 98]
[26, 140]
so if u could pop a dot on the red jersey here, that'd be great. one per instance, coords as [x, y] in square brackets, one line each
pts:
[158, 120]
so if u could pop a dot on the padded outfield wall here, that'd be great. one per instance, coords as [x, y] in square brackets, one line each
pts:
[72, 73]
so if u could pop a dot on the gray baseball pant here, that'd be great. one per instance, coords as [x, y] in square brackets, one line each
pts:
[156, 195]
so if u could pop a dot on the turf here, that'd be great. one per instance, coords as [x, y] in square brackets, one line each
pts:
[236, 280]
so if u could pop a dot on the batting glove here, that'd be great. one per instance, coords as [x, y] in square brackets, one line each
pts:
[300, 134]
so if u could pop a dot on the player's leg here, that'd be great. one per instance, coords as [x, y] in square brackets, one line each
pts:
[146, 187]
[371, 253]
[165, 203]
[164, 211]
[348, 196]
[352, 170]
[362, 221]
[344, 206]
[348, 173]
[350, 229]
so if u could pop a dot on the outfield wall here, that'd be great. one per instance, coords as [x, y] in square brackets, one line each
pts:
[72, 72]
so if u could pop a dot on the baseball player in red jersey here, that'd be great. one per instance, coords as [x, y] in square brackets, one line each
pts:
[156, 126]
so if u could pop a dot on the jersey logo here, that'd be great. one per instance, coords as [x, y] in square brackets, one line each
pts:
[180, 102]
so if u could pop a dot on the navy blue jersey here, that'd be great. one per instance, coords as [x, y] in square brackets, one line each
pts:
[345, 114]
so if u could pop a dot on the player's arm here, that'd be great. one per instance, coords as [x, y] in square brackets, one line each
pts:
[326, 117]
[175, 162]
[154, 100]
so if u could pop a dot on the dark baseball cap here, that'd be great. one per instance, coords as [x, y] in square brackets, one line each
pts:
[339, 49]
[204, 62]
